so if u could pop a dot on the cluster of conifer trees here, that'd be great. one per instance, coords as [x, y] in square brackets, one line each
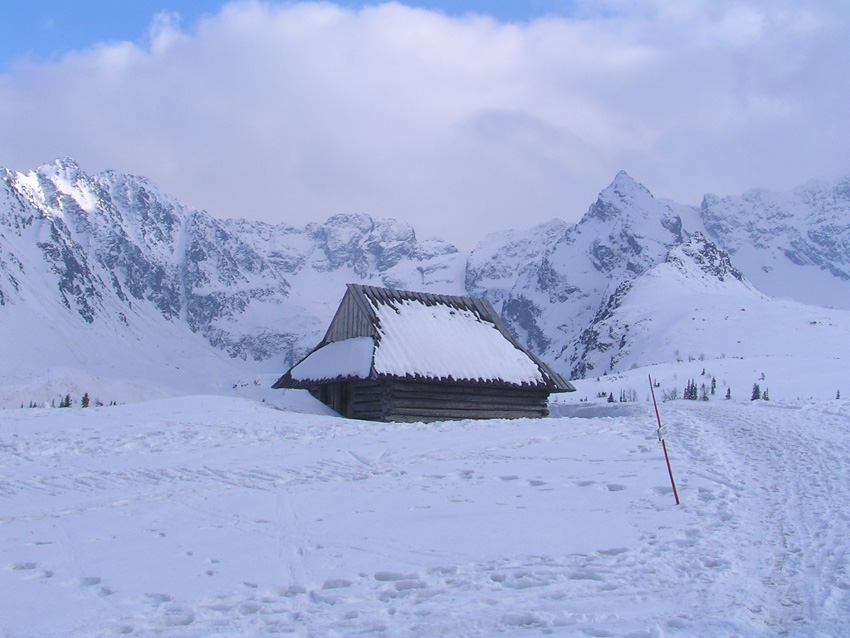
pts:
[66, 402]
[701, 392]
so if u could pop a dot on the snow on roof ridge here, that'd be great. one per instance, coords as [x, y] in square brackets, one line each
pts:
[428, 336]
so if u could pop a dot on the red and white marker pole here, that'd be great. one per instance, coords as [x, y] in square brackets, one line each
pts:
[662, 432]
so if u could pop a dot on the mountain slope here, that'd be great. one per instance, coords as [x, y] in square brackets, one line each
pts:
[115, 252]
[697, 305]
[794, 245]
[551, 294]
[109, 259]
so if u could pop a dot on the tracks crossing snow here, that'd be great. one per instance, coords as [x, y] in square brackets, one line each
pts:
[282, 523]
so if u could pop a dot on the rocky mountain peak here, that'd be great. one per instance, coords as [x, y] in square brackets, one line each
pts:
[62, 166]
[628, 209]
[624, 184]
[624, 199]
[707, 258]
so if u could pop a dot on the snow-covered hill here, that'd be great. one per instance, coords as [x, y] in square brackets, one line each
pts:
[697, 305]
[205, 516]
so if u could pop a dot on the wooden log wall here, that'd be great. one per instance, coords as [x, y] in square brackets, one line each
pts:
[411, 401]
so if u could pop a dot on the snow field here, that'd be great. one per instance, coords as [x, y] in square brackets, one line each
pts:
[206, 516]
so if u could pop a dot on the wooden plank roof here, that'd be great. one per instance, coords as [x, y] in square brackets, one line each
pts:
[407, 345]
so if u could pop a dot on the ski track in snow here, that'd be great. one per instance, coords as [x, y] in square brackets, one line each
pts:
[795, 466]
[393, 530]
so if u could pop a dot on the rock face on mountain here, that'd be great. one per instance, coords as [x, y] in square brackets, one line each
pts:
[794, 245]
[692, 276]
[697, 306]
[113, 247]
[112, 252]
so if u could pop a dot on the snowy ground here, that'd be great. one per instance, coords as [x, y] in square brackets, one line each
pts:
[201, 516]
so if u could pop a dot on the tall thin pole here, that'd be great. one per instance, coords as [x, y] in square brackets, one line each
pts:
[663, 443]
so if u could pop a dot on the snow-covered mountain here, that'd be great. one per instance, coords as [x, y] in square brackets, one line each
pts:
[551, 284]
[794, 245]
[93, 262]
[105, 269]
[697, 305]
[597, 297]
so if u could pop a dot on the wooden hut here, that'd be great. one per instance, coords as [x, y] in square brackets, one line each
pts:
[395, 355]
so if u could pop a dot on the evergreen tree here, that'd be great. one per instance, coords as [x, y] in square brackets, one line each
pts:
[838, 394]
[766, 395]
[728, 393]
[713, 385]
[85, 401]
[703, 393]
[756, 392]
[611, 398]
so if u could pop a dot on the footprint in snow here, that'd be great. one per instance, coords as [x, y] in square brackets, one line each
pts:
[178, 617]
[407, 585]
[122, 630]
[393, 576]
[585, 574]
[336, 583]
[23, 567]
[521, 620]
[249, 608]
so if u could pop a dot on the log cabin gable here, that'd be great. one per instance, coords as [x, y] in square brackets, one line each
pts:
[354, 318]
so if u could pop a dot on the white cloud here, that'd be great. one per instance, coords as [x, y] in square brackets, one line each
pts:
[294, 112]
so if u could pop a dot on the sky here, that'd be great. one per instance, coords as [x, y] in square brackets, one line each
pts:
[460, 118]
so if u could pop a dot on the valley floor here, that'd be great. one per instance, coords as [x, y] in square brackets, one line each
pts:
[206, 516]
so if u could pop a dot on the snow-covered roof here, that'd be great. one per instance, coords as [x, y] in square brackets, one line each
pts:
[350, 358]
[424, 336]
